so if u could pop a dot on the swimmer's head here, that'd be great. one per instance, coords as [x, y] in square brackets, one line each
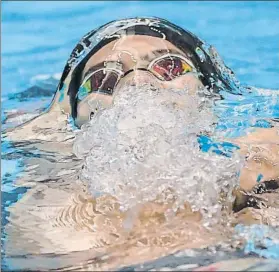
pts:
[134, 52]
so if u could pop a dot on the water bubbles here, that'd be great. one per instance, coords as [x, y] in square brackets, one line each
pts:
[146, 144]
[200, 54]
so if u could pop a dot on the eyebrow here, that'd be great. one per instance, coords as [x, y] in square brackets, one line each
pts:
[148, 57]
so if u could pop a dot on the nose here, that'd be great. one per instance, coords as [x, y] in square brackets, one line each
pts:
[138, 78]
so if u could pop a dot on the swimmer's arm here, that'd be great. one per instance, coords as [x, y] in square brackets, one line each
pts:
[261, 149]
[49, 126]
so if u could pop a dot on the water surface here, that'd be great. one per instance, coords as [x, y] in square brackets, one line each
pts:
[49, 210]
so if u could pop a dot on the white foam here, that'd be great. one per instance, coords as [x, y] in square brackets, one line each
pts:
[40, 77]
[45, 78]
[146, 143]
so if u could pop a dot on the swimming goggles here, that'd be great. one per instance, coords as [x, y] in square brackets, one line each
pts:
[104, 80]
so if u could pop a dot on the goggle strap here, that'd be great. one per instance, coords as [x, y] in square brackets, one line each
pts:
[114, 65]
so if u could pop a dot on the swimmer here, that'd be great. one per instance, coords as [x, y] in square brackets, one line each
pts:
[139, 51]
[129, 52]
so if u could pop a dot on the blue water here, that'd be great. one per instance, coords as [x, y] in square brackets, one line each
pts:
[37, 38]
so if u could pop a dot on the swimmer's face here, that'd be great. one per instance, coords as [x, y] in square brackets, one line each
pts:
[132, 60]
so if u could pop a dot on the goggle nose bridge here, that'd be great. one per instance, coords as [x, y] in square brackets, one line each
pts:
[133, 70]
[118, 66]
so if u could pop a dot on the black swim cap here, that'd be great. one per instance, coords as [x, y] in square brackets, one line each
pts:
[212, 72]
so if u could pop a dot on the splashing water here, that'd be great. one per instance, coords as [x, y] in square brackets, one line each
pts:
[146, 144]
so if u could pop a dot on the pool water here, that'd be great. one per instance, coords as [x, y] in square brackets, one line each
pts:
[37, 38]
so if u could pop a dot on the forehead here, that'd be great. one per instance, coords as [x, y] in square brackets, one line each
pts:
[132, 47]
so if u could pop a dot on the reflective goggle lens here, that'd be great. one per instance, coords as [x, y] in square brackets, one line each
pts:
[170, 67]
[101, 81]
